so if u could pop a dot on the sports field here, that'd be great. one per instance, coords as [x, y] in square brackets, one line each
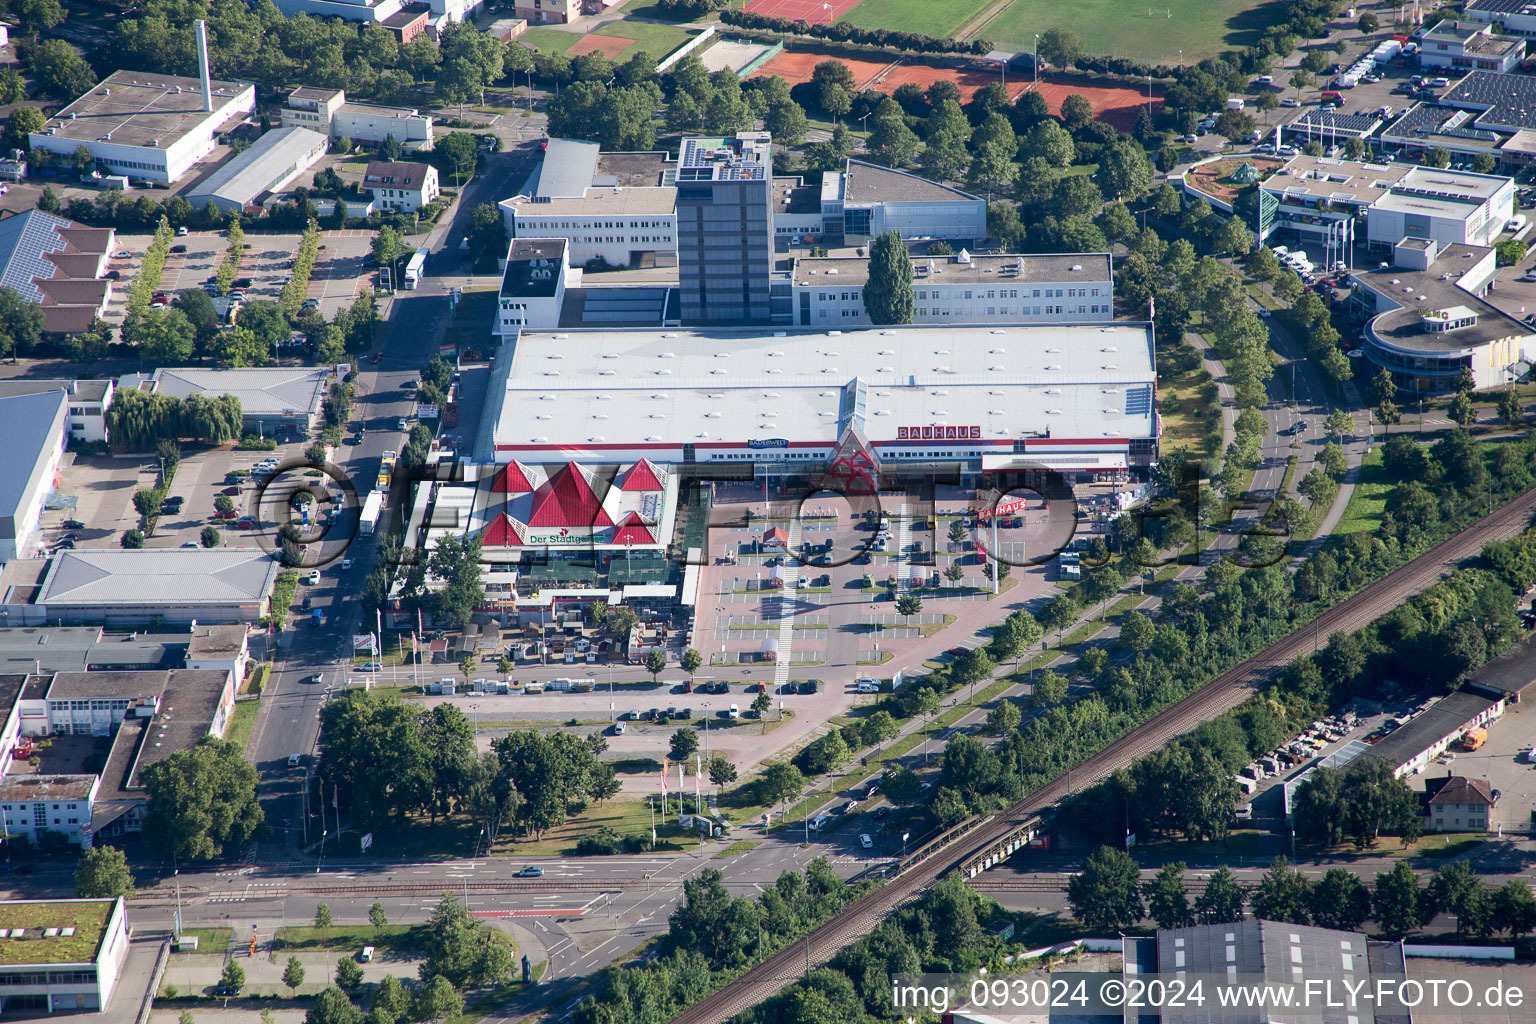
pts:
[657, 40]
[1116, 105]
[925, 16]
[814, 11]
[1127, 28]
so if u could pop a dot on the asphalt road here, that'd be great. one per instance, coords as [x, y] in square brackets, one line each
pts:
[288, 721]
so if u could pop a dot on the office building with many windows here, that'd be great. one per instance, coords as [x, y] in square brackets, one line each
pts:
[725, 228]
[963, 289]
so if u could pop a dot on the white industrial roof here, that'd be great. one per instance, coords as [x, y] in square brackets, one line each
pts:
[698, 387]
[158, 576]
[31, 426]
[270, 162]
[263, 391]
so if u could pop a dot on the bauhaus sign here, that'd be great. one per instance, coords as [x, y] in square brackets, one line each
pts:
[938, 433]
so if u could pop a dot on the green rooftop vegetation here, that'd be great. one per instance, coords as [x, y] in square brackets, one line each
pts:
[36, 918]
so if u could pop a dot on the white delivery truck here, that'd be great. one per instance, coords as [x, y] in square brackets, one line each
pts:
[368, 518]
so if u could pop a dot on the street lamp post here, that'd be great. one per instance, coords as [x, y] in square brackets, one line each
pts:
[1037, 60]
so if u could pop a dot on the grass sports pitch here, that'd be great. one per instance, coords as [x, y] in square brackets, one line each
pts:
[925, 16]
[1143, 30]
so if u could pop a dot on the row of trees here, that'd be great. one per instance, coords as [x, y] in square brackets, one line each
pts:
[844, 32]
[1108, 894]
[947, 930]
[711, 937]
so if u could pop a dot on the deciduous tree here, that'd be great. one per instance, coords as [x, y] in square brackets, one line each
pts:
[1106, 894]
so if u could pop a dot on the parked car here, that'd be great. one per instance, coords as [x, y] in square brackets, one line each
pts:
[73, 524]
[178, 248]
[865, 841]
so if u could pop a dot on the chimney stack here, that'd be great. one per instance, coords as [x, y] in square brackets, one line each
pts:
[202, 65]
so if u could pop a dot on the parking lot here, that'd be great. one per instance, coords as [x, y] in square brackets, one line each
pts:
[767, 612]
[103, 488]
[336, 279]
[1501, 760]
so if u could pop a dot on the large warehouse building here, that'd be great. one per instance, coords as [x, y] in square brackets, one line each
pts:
[115, 587]
[35, 428]
[270, 163]
[148, 126]
[1079, 399]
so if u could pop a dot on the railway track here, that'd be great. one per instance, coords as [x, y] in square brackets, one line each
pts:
[1221, 694]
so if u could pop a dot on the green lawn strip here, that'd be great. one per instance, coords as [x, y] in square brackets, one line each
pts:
[927, 629]
[1444, 846]
[259, 683]
[548, 40]
[626, 817]
[242, 721]
[1186, 425]
[398, 938]
[1368, 501]
[1263, 298]
[210, 940]
[739, 847]
[282, 596]
[1289, 478]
